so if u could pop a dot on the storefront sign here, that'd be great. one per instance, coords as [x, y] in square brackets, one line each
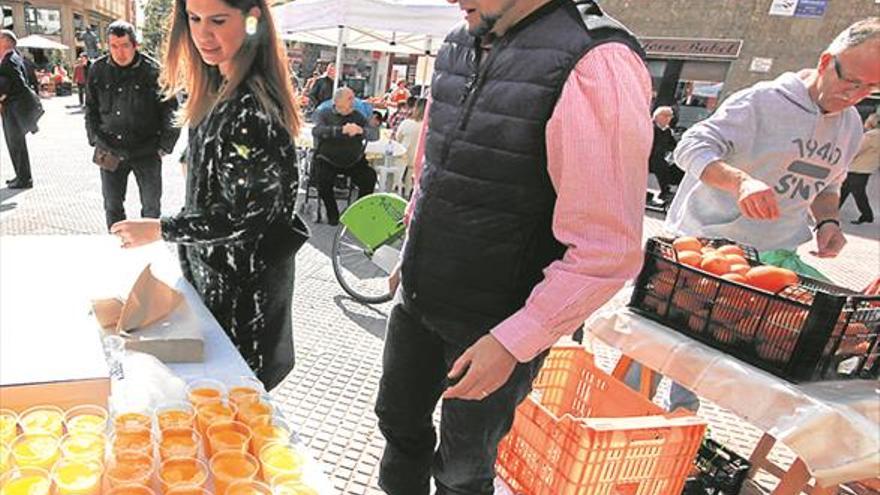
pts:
[799, 8]
[783, 7]
[686, 47]
[761, 64]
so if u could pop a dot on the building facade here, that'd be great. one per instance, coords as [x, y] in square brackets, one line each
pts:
[64, 21]
[700, 51]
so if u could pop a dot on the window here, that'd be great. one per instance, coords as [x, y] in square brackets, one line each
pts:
[8, 19]
[79, 25]
[42, 21]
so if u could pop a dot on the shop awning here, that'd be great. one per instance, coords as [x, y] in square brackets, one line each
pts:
[35, 41]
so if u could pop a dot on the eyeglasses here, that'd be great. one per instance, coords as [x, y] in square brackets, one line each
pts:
[856, 85]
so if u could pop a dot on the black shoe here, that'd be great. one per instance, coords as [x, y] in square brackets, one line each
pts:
[10, 181]
[332, 222]
[862, 220]
[20, 184]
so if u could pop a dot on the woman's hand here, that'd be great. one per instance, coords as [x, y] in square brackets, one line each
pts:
[136, 233]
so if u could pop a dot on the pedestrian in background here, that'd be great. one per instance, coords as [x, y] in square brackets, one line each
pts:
[18, 106]
[129, 123]
[237, 232]
[80, 76]
[322, 88]
[663, 145]
[865, 163]
[504, 255]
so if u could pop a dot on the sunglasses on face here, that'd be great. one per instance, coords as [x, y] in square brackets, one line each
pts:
[856, 85]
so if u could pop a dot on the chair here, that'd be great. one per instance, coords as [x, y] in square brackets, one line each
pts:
[343, 188]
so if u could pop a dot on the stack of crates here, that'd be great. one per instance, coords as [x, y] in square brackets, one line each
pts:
[583, 432]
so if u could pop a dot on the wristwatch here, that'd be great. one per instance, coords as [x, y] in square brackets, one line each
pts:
[823, 222]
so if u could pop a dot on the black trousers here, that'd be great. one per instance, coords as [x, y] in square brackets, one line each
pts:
[148, 173]
[362, 175]
[857, 184]
[81, 93]
[418, 354]
[17, 144]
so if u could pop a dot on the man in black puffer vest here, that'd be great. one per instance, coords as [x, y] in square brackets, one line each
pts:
[127, 115]
[527, 218]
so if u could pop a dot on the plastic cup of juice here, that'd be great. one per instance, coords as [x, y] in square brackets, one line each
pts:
[232, 465]
[83, 446]
[8, 426]
[280, 458]
[291, 484]
[88, 419]
[211, 411]
[269, 429]
[250, 410]
[129, 468]
[188, 490]
[179, 442]
[37, 450]
[26, 481]
[132, 438]
[76, 477]
[128, 419]
[5, 458]
[42, 419]
[244, 388]
[177, 414]
[205, 389]
[248, 487]
[182, 471]
[228, 435]
[131, 490]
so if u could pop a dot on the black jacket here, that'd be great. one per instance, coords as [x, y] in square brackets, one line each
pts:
[20, 102]
[321, 91]
[125, 111]
[331, 144]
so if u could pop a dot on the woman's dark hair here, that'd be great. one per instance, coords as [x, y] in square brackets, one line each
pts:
[122, 28]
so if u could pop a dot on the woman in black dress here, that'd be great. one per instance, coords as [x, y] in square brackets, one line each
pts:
[237, 231]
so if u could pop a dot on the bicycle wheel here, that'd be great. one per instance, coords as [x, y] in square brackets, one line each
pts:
[363, 273]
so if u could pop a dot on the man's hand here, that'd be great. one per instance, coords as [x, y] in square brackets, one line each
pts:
[136, 233]
[352, 129]
[829, 241]
[394, 279]
[757, 200]
[486, 366]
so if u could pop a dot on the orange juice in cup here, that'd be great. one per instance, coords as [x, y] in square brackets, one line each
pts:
[232, 465]
[132, 419]
[8, 426]
[75, 477]
[280, 458]
[131, 490]
[250, 410]
[88, 419]
[179, 442]
[188, 490]
[37, 450]
[42, 419]
[266, 430]
[245, 388]
[136, 438]
[176, 414]
[83, 446]
[205, 389]
[182, 471]
[26, 481]
[228, 435]
[248, 487]
[210, 411]
[129, 468]
[291, 484]
[5, 458]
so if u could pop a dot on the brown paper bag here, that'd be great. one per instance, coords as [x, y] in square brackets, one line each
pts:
[149, 301]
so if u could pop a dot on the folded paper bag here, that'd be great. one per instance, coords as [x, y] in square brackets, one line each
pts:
[149, 301]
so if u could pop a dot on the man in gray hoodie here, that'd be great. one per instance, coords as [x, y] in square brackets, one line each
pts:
[771, 160]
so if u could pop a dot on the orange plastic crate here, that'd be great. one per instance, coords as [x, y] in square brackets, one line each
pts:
[582, 432]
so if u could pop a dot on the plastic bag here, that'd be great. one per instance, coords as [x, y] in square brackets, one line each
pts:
[784, 258]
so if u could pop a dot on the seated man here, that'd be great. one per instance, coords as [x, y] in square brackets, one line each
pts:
[340, 139]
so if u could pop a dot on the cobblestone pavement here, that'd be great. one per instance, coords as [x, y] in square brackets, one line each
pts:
[338, 341]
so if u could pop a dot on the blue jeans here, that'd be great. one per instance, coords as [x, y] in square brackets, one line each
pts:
[419, 351]
[148, 173]
[678, 395]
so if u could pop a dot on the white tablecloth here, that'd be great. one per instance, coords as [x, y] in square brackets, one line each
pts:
[52, 280]
[833, 426]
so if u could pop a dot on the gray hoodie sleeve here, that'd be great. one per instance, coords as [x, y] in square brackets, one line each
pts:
[731, 129]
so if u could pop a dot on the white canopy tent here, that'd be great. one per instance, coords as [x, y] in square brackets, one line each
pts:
[35, 41]
[398, 26]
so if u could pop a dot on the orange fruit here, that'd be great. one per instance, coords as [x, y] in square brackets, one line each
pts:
[697, 321]
[687, 302]
[687, 243]
[771, 278]
[734, 277]
[740, 269]
[736, 259]
[715, 263]
[662, 283]
[690, 258]
[732, 249]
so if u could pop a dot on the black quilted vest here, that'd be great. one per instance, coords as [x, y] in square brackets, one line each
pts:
[481, 232]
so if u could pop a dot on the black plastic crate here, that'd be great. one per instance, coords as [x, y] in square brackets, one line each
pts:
[721, 471]
[812, 331]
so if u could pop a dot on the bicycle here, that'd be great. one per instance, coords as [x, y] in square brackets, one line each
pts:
[367, 246]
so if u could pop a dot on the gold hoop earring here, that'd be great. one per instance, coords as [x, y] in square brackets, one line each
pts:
[250, 25]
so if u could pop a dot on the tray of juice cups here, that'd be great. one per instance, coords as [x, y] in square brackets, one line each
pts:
[86, 419]
[229, 466]
[77, 477]
[26, 481]
[42, 419]
[205, 389]
[8, 426]
[187, 471]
